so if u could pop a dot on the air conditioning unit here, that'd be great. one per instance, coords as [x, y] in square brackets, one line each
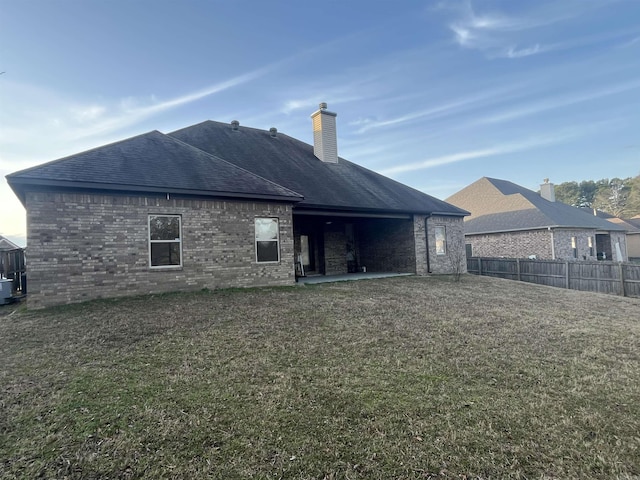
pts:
[5, 291]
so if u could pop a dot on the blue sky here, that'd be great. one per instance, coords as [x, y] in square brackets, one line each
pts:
[432, 94]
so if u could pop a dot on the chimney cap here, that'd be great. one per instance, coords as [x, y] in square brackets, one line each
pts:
[323, 106]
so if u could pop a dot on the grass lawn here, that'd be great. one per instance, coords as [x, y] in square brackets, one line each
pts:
[397, 378]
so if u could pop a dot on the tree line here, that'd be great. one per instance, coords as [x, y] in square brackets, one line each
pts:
[618, 196]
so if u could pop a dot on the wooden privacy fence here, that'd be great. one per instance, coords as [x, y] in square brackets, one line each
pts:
[12, 267]
[595, 276]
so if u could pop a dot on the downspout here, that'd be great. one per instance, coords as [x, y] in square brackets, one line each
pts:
[553, 245]
[426, 240]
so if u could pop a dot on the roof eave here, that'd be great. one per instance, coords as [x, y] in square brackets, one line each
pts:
[340, 208]
[545, 227]
[16, 183]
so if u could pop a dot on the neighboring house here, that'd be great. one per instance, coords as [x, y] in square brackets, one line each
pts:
[218, 205]
[6, 244]
[508, 220]
[632, 228]
[633, 246]
[12, 265]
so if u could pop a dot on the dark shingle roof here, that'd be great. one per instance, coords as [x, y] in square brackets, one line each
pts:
[630, 225]
[291, 163]
[212, 159]
[151, 162]
[500, 206]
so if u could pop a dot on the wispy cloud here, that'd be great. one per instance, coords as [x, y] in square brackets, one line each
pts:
[129, 112]
[500, 35]
[558, 102]
[337, 96]
[500, 149]
[514, 52]
[630, 43]
[438, 111]
[70, 122]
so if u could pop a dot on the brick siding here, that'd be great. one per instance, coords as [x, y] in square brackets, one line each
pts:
[512, 244]
[455, 253]
[543, 243]
[387, 245]
[84, 246]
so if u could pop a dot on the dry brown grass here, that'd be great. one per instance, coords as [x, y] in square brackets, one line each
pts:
[398, 378]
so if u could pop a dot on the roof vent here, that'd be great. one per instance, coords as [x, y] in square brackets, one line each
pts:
[234, 125]
[273, 131]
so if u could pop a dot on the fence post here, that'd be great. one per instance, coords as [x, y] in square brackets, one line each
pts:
[566, 274]
[518, 268]
[479, 265]
[621, 268]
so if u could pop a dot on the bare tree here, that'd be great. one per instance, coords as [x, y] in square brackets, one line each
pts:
[457, 255]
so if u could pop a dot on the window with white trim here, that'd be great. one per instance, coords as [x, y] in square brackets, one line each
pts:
[441, 239]
[267, 240]
[165, 241]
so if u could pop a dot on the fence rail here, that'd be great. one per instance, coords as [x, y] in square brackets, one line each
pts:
[595, 276]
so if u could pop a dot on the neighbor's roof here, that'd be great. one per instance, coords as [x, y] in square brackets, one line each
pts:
[630, 225]
[502, 206]
[6, 244]
[152, 162]
[292, 164]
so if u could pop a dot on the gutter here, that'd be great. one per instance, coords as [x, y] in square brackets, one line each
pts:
[20, 186]
[546, 227]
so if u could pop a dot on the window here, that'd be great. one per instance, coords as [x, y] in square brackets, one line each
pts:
[591, 246]
[165, 242]
[469, 250]
[574, 247]
[267, 241]
[441, 240]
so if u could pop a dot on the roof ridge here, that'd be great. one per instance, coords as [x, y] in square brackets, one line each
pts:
[235, 166]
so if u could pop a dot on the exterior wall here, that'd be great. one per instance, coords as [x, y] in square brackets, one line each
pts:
[420, 243]
[386, 245]
[335, 249]
[455, 258]
[544, 244]
[512, 244]
[563, 247]
[620, 237]
[633, 246]
[83, 246]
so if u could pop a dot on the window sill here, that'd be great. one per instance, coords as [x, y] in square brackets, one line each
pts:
[166, 268]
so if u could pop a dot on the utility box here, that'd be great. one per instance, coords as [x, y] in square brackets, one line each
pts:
[5, 290]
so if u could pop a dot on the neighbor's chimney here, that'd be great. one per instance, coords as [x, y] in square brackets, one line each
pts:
[235, 124]
[547, 191]
[325, 142]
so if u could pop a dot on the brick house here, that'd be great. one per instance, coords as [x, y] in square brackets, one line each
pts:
[632, 229]
[508, 220]
[219, 205]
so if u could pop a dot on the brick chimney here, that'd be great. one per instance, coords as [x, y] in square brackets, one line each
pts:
[325, 142]
[547, 191]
